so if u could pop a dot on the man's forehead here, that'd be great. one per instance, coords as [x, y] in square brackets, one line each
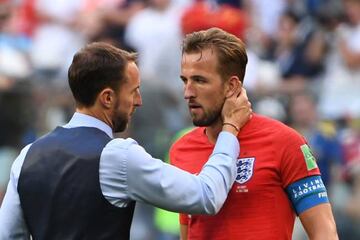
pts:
[207, 54]
[132, 74]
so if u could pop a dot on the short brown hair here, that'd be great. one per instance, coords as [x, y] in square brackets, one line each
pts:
[230, 50]
[96, 66]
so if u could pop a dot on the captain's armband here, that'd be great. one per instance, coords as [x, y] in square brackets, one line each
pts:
[306, 193]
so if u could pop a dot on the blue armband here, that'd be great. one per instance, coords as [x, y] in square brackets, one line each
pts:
[306, 193]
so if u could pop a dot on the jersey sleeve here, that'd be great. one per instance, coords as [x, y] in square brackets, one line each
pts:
[300, 174]
[296, 160]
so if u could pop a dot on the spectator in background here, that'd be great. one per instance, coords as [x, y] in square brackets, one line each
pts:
[106, 20]
[265, 16]
[299, 53]
[156, 35]
[226, 15]
[321, 135]
[26, 19]
[339, 94]
[16, 117]
[348, 208]
[56, 38]
[15, 92]
[14, 48]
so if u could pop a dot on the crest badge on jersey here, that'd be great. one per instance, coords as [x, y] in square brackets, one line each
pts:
[245, 169]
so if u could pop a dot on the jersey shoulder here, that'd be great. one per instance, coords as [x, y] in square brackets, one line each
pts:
[280, 132]
[190, 138]
[184, 148]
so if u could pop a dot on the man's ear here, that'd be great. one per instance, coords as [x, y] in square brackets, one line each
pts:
[233, 84]
[106, 98]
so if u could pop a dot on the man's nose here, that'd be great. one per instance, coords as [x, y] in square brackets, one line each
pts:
[138, 101]
[189, 90]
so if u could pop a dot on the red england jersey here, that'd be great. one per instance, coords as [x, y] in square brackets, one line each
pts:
[272, 156]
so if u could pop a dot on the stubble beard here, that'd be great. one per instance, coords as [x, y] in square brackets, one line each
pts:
[209, 118]
[120, 120]
[120, 123]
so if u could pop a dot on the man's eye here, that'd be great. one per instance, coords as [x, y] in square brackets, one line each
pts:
[200, 80]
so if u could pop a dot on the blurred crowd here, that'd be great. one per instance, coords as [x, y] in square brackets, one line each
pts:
[304, 70]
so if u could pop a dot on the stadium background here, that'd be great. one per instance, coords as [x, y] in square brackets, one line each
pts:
[304, 70]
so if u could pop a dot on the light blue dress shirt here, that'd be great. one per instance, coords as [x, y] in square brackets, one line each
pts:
[128, 173]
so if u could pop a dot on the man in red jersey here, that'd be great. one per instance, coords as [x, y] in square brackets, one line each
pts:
[277, 175]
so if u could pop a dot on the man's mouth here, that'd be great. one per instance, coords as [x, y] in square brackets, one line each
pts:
[194, 105]
[194, 108]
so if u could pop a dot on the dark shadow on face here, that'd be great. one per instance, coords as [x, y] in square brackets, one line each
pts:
[120, 119]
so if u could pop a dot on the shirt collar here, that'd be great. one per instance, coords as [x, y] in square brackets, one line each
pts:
[83, 120]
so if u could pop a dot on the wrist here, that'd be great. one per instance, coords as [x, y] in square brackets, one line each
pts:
[230, 127]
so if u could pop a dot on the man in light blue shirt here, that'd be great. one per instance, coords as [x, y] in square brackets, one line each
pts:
[78, 182]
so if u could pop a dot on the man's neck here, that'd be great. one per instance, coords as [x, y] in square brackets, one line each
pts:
[92, 111]
[213, 131]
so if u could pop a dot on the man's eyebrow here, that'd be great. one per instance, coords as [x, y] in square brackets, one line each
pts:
[197, 77]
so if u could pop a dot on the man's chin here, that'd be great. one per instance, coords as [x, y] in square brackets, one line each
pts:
[205, 122]
[121, 127]
[199, 123]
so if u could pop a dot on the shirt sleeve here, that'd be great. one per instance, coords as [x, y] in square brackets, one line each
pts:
[138, 176]
[12, 223]
[297, 161]
[300, 174]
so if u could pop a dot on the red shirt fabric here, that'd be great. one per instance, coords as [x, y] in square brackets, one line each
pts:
[257, 206]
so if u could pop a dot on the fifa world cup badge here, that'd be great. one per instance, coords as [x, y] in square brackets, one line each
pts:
[309, 157]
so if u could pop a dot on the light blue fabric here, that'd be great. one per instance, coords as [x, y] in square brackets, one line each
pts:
[127, 172]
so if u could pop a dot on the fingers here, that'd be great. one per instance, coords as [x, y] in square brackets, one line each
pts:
[237, 109]
[243, 98]
[238, 91]
[242, 91]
